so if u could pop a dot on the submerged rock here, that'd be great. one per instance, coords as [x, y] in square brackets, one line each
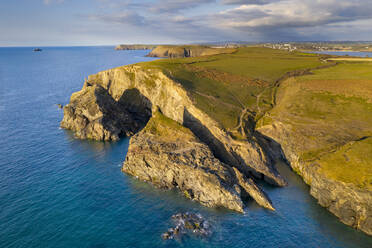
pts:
[188, 223]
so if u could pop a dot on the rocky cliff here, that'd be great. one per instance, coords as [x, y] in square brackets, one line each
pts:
[133, 94]
[170, 156]
[325, 134]
[351, 204]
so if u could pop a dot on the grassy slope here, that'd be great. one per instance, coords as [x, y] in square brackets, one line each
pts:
[167, 129]
[223, 85]
[330, 113]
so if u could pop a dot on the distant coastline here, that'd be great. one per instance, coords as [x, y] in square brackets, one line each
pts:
[135, 47]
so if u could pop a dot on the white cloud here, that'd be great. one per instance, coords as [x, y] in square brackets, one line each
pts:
[256, 19]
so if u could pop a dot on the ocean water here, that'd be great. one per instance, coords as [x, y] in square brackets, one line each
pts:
[342, 53]
[56, 191]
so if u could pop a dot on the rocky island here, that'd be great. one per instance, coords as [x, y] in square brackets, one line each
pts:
[213, 126]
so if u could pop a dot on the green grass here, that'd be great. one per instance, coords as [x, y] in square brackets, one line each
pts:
[352, 163]
[343, 71]
[262, 63]
[223, 85]
[327, 113]
[167, 128]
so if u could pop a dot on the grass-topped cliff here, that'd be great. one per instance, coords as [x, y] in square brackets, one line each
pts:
[245, 107]
[330, 116]
[323, 123]
[175, 51]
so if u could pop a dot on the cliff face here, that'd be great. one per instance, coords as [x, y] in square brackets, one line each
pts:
[152, 91]
[324, 132]
[170, 156]
[158, 91]
[352, 205]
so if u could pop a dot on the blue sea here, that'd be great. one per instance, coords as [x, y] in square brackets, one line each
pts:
[343, 53]
[57, 191]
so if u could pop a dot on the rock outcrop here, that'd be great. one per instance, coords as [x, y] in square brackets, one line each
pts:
[93, 114]
[120, 101]
[156, 90]
[170, 156]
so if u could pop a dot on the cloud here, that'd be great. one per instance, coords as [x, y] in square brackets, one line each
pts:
[294, 14]
[248, 2]
[125, 17]
[253, 20]
[177, 5]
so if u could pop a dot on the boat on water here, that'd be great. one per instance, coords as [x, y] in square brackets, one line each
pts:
[37, 49]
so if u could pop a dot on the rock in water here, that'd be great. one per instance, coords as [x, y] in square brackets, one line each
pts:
[188, 223]
[60, 106]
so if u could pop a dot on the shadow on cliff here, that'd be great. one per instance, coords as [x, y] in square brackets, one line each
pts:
[218, 149]
[126, 116]
[203, 133]
[273, 150]
[137, 105]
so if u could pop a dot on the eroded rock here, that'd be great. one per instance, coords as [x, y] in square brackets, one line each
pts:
[170, 156]
[188, 223]
[199, 162]
[93, 114]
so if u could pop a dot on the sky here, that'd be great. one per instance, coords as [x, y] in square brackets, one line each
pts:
[110, 22]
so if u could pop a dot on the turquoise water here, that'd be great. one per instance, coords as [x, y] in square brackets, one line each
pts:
[56, 191]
